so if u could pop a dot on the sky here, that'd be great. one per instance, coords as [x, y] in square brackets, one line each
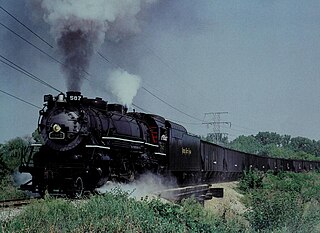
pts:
[257, 60]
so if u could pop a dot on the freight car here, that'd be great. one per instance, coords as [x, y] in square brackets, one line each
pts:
[87, 142]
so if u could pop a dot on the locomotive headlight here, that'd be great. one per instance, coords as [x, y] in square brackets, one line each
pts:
[56, 128]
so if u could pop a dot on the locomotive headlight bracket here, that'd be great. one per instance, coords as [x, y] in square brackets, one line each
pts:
[56, 128]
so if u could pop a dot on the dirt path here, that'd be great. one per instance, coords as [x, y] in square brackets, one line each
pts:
[230, 206]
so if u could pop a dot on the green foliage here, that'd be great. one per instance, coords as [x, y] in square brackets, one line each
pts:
[10, 158]
[287, 202]
[251, 180]
[276, 145]
[216, 138]
[116, 212]
[265, 138]
[12, 151]
[8, 190]
[246, 143]
[3, 166]
[304, 144]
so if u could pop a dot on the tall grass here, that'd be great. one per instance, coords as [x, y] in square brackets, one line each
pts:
[286, 202]
[116, 212]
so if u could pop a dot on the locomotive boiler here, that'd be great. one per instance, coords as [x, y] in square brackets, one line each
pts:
[86, 142]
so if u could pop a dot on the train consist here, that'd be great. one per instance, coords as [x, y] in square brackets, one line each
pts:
[87, 142]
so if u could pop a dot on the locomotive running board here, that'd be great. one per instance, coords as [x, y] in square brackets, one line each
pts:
[129, 140]
[97, 146]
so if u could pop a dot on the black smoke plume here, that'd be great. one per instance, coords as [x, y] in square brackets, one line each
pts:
[77, 50]
[81, 26]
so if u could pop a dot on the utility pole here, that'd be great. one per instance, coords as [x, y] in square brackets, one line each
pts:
[214, 119]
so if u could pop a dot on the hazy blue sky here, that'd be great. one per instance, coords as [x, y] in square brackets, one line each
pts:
[257, 60]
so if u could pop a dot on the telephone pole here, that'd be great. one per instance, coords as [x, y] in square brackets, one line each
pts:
[214, 119]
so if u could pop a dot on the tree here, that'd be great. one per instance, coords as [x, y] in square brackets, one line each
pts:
[266, 138]
[275, 145]
[303, 144]
[246, 144]
[11, 152]
[285, 140]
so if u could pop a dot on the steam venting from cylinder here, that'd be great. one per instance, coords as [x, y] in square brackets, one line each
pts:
[81, 26]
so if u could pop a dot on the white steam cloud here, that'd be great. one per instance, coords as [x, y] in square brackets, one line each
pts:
[81, 26]
[123, 86]
[146, 185]
[21, 178]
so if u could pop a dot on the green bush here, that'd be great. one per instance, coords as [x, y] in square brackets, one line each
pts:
[251, 179]
[8, 190]
[11, 152]
[287, 202]
[10, 158]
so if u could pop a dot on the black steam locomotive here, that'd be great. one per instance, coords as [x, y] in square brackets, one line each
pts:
[87, 142]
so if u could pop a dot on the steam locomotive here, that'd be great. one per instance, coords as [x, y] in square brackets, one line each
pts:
[87, 142]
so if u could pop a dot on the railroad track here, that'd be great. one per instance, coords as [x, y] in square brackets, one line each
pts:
[199, 192]
[15, 202]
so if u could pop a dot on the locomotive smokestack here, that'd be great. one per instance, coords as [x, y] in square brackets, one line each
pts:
[73, 93]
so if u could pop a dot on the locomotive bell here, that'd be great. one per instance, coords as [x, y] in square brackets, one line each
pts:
[61, 98]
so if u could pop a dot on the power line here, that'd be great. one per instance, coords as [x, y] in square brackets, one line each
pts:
[22, 100]
[107, 60]
[148, 91]
[170, 104]
[25, 26]
[181, 122]
[177, 73]
[188, 123]
[154, 95]
[246, 128]
[25, 72]
[140, 107]
[239, 130]
[173, 71]
[89, 74]
[42, 51]
[215, 122]
[34, 46]
[118, 66]
[29, 29]
[164, 96]
[39, 49]
[15, 18]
